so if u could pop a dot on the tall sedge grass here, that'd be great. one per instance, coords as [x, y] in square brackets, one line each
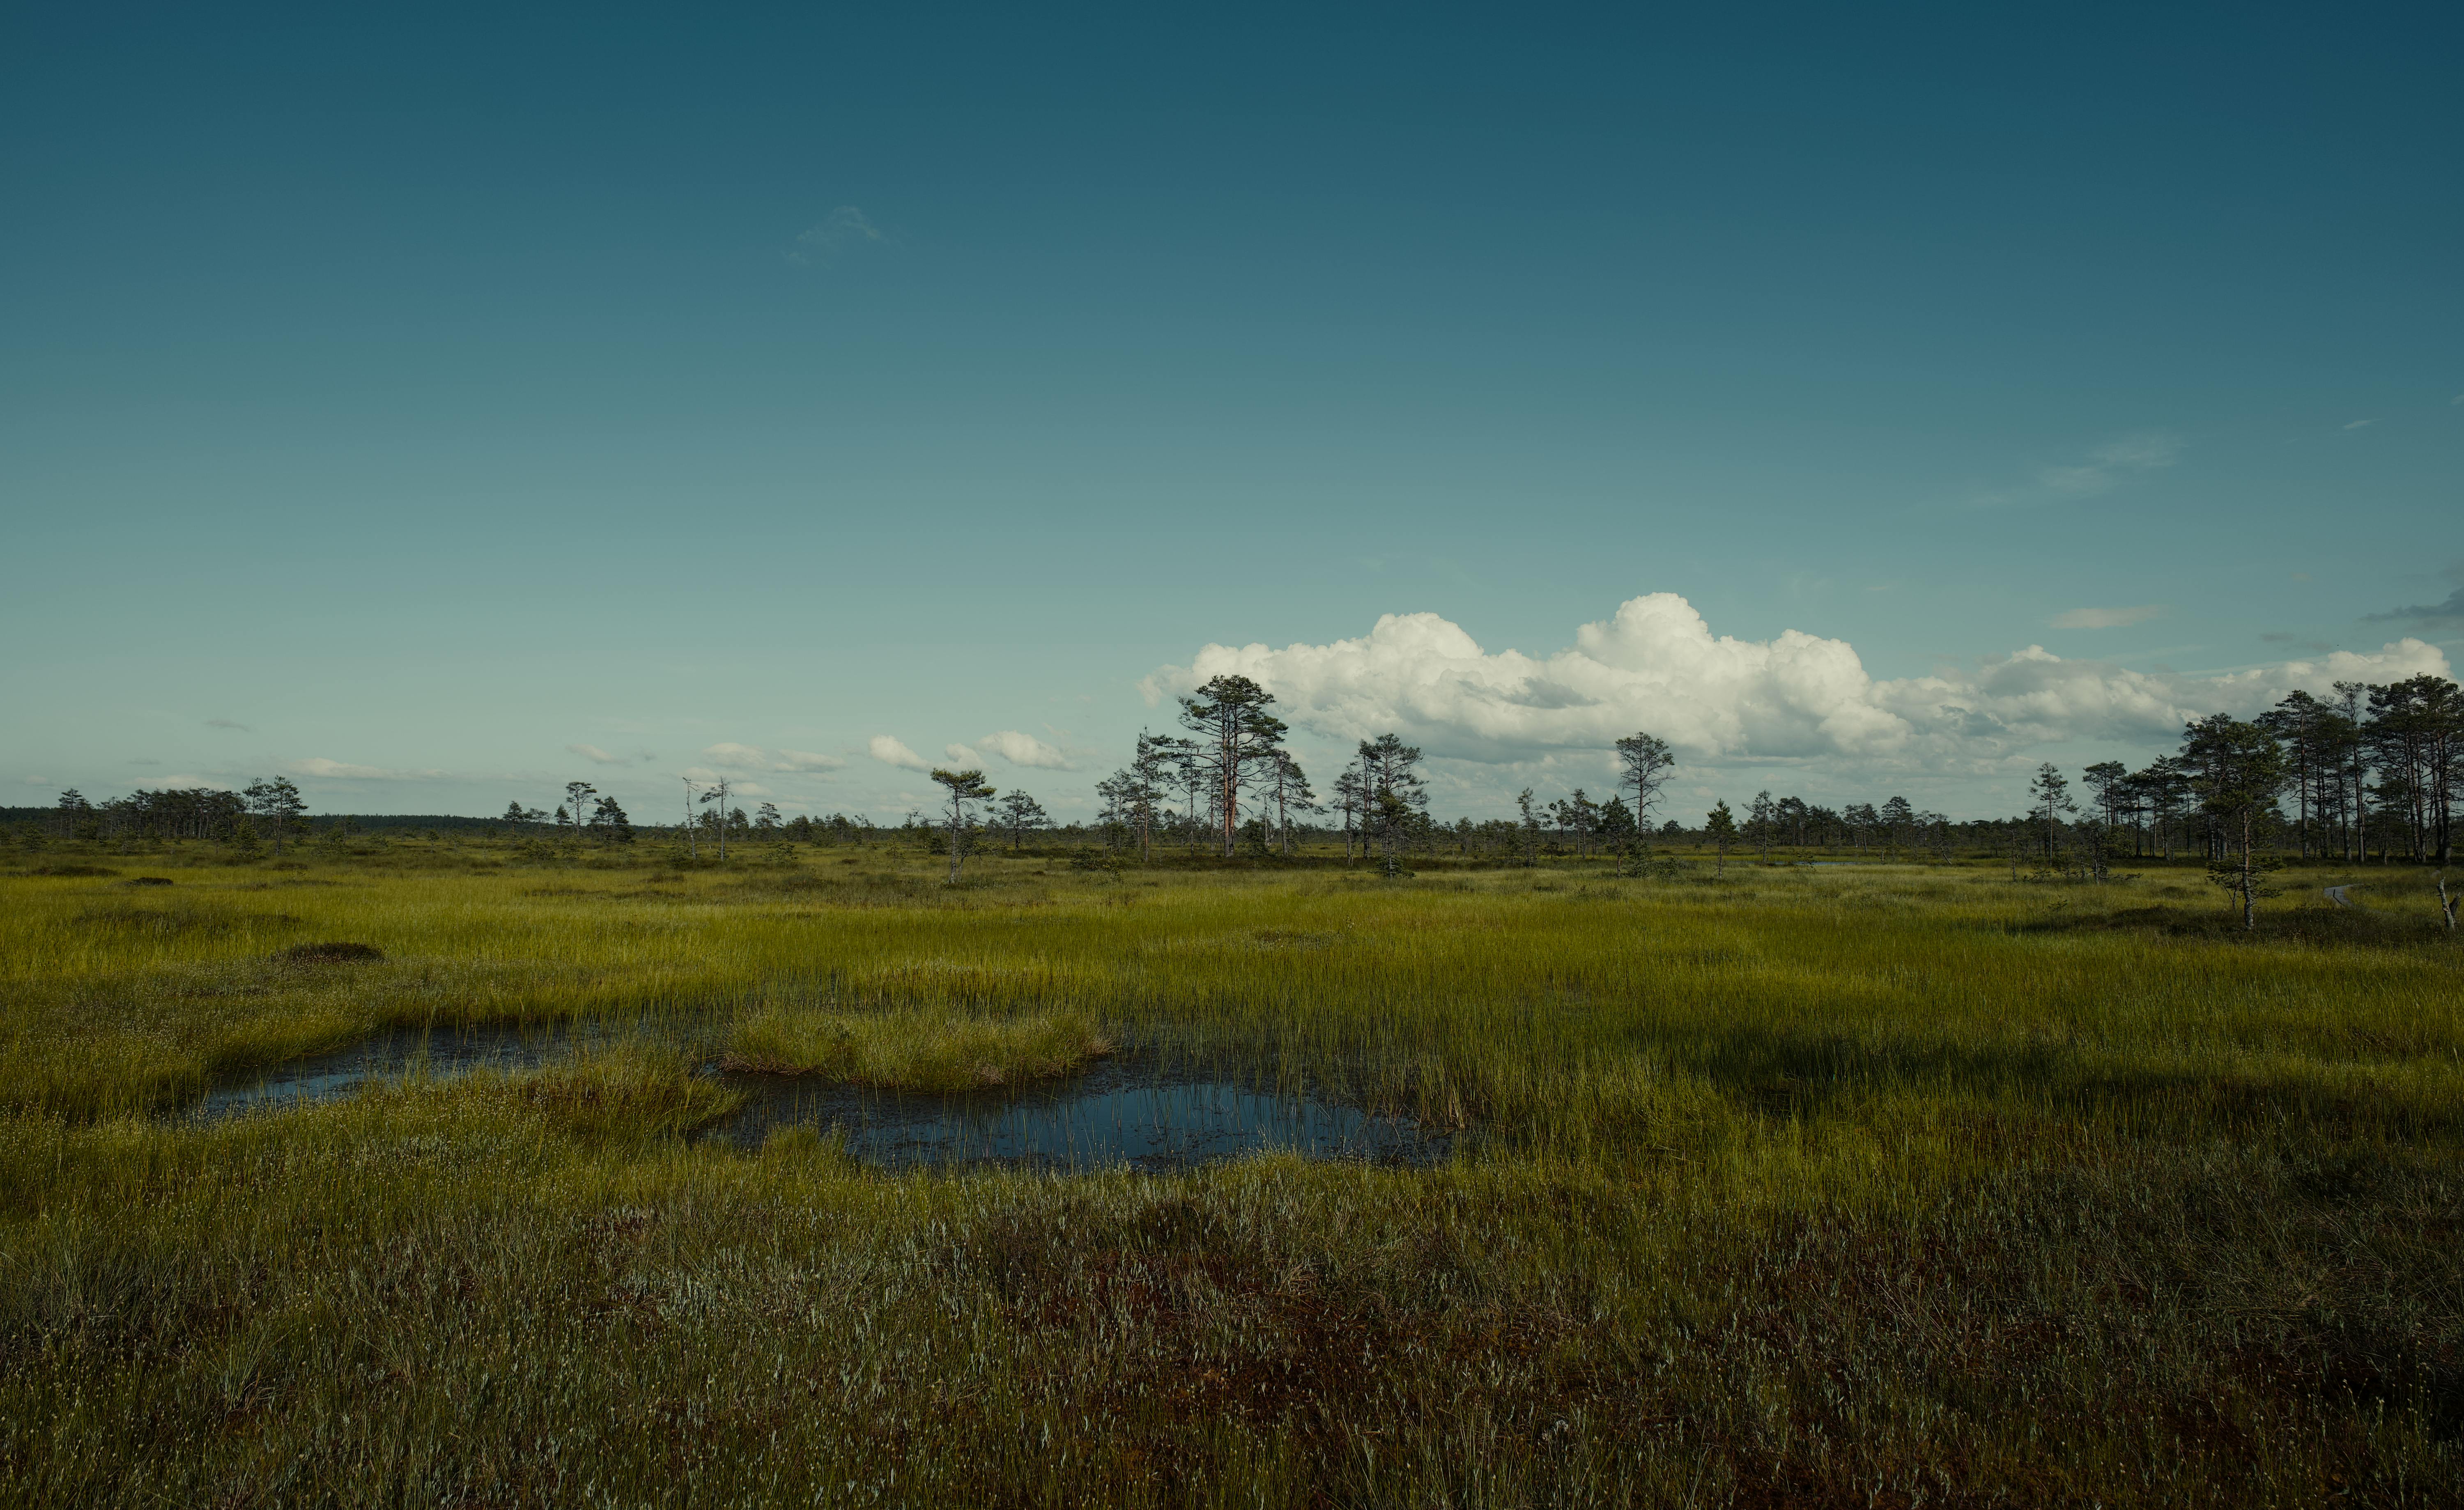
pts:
[1885, 1185]
[928, 1050]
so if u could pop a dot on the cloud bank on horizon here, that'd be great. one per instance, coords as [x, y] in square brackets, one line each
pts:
[1656, 666]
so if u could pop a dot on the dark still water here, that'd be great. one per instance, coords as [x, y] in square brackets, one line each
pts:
[1124, 1112]
[1129, 1112]
[392, 1055]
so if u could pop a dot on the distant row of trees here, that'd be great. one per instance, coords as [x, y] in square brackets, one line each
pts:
[2372, 766]
[1230, 757]
[2369, 773]
[271, 810]
[585, 812]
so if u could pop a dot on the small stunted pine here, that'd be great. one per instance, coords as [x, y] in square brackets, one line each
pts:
[966, 788]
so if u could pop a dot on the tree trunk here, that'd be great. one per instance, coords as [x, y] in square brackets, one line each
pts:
[2249, 902]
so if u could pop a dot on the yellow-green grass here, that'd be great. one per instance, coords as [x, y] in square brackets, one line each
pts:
[938, 1050]
[1883, 1183]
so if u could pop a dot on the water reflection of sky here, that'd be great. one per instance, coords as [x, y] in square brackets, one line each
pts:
[1129, 1112]
[1120, 1113]
[392, 1055]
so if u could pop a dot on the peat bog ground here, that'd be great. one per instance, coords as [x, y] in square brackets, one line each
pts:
[605, 1179]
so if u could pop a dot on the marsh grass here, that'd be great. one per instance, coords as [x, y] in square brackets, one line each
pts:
[629, 1091]
[1875, 1185]
[907, 1050]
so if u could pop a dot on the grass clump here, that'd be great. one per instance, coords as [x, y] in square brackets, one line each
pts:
[334, 953]
[625, 1092]
[937, 1051]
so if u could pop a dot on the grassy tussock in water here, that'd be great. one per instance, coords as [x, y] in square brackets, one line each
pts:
[1886, 1185]
[915, 1050]
[626, 1091]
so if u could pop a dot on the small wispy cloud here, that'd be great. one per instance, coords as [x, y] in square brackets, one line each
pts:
[959, 754]
[2106, 618]
[596, 756]
[753, 757]
[2448, 615]
[2111, 462]
[842, 227]
[1019, 749]
[2355, 424]
[345, 771]
[889, 751]
[225, 723]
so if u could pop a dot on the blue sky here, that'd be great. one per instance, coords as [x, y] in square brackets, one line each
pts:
[415, 401]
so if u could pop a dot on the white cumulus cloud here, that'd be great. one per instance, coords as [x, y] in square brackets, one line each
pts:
[2106, 618]
[889, 751]
[595, 755]
[1019, 749]
[1656, 666]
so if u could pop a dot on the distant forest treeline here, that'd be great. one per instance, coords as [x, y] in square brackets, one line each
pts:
[2367, 773]
[357, 822]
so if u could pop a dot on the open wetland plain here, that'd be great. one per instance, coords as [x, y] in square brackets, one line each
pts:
[424, 1173]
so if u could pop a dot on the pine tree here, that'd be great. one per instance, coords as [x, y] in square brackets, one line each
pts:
[1233, 735]
[2052, 793]
[576, 793]
[1287, 791]
[715, 797]
[1578, 817]
[609, 821]
[76, 815]
[1720, 826]
[277, 806]
[1394, 797]
[1759, 820]
[2236, 769]
[965, 787]
[1896, 816]
[1018, 813]
[1620, 833]
[1148, 776]
[1352, 801]
[1646, 764]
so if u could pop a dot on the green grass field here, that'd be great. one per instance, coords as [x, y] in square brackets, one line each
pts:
[1886, 1185]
